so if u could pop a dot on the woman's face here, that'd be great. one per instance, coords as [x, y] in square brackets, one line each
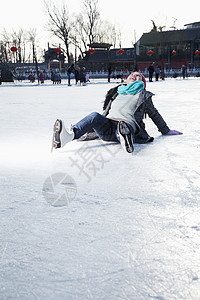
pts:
[135, 76]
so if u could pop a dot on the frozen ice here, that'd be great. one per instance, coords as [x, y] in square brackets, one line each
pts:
[132, 230]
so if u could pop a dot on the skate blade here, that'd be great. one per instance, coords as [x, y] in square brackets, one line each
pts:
[56, 128]
[129, 146]
[54, 145]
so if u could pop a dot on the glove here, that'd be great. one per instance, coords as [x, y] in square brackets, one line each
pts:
[174, 132]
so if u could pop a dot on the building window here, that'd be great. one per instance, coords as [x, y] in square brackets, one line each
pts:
[128, 52]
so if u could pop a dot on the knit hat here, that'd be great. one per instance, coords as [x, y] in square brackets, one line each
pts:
[143, 79]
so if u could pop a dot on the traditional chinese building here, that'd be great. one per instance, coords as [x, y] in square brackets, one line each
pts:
[54, 58]
[171, 49]
[98, 56]
[101, 57]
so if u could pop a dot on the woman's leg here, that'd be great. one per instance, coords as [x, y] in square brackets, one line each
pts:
[104, 127]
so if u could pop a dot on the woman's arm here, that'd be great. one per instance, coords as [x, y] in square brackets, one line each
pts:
[156, 117]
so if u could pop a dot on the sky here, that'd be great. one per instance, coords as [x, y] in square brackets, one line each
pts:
[133, 17]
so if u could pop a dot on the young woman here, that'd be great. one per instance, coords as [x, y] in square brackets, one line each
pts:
[125, 107]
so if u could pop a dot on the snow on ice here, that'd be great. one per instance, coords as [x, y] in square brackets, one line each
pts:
[90, 221]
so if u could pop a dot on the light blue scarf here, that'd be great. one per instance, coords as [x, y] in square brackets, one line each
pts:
[131, 89]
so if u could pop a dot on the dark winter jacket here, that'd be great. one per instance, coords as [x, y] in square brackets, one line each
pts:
[143, 107]
[71, 69]
[151, 70]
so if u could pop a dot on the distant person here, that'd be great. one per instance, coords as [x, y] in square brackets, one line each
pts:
[157, 72]
[162, 71]
[53, 77]
[87, 77]
[122, 121]
[41, 77]
[151, 71]
[69, 71]
[77, 74]
[109, 73]
[83, 76]
[58, 78]
[183, 71]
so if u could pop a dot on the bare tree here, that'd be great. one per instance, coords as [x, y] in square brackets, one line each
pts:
[59, 23]
[85, 26]
[108, 33]
[3, 52]
[5, 55]
[174, 24]
[84, 29]
[18, 38]
[78, 36]
[22, 40]
[91, 16]
[32, 38]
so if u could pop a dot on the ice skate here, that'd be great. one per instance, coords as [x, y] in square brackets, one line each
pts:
[61, 136]
[125, 137]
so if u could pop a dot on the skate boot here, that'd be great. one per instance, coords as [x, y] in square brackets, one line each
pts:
[61, 135]
[125, 137]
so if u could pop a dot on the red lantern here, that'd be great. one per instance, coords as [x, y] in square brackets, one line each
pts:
[150, 52]
[13, 49]
[57, 50]
[196, 52]
[91, 51]
[120, 51]
[173, 52]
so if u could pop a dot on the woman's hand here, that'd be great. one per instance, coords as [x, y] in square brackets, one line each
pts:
[174, 132]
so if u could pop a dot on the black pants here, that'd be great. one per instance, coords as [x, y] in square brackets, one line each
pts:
[150, 77]
[157, 76]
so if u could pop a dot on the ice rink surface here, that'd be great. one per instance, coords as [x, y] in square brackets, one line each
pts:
[90, 221]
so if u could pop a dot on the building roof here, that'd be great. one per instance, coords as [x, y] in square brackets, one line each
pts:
[100, 45]
[172, 36]
[193, 25]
